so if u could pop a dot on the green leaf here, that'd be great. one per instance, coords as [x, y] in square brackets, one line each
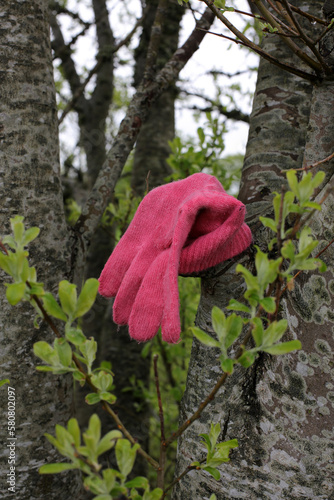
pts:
[18, 230]
[15, 293]
[109, 476]
[288, 251]
[56, 468]
[201, 135]
[220, 4]
[74, 429]
[204, 338]
[257, 331]
[64, 351]
[227, 365]
[30, 234]
[275, 331]
[4, 381]
[88, 349]
[153, 495]
[284, 347]
[318, 179]
[102, 380]
[5, 264]
[125, 456]
[268, 304]
[68, 297]
[269, 223]
[215, 430]
[44, 351]
[75, 335]
[206, 441]
[92, 398]
[251, 281]
[87, 297]
[9, 240]
[293, 182]
[246, 359]
[312, 204]
[108, 397]
[267, 270]
[235, 305]
[234, 326]
[52, 307]
[214, 472]
[80, 377]
[93, 433]
[138, 482]
[218, 323]
[108, 441]
[213, 497]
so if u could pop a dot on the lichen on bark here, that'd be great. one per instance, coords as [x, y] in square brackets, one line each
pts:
[30, 186]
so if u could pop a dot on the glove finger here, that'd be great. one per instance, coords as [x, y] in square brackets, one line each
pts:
[147, 311]
[116, 267]
[131, 283]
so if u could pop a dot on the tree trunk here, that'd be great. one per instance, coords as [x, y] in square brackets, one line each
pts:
[30, 186]
[152, 149]
[281, 409]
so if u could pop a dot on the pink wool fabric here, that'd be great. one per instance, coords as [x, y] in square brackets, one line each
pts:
[179, 228]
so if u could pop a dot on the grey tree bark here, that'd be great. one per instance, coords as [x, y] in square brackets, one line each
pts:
[281, 410]
[30, 186]
[152, 148]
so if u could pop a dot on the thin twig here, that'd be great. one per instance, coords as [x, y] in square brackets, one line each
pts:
[178, 479]
[243, 40]
[316, 66]
[298, 273]
[162, 459]
[313, 165]
[308, 41]
[310, 17]
[94, 70]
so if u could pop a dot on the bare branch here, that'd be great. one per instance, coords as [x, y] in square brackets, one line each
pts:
[234, 114]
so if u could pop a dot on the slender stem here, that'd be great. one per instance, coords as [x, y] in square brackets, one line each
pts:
[46, 317]
[162, 459]
[294, 47]
[178, 479]
[168, 366]
[248, 43]
[94, 70]
[199, 410]
[310, 17]
[126, 433]
[314, 165]
[308, 41]
[310, 215]
[298, 273]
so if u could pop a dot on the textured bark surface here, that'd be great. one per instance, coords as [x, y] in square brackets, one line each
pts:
[280, 410]
[30, 186]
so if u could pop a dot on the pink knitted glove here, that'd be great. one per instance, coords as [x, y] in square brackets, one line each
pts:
[179, 228]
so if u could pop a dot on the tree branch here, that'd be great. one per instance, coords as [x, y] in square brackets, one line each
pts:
[234, 114]
[246, 41]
